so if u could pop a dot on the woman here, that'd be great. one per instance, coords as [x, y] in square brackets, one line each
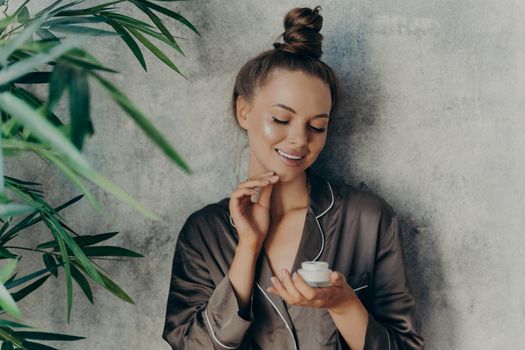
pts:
[224, 293]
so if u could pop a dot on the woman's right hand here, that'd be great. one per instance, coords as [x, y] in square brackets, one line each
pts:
[252, 220]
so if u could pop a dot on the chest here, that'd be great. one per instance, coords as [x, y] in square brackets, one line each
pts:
[283, 239]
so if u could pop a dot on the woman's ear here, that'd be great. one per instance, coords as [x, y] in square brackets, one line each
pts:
[243, 107]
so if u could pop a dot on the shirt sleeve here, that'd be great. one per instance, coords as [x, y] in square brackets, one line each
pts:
[200, 314]
[391, 317]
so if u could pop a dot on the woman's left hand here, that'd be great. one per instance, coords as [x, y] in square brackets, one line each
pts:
[295, 291]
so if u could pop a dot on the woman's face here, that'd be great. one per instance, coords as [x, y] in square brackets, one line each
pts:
[290, 114]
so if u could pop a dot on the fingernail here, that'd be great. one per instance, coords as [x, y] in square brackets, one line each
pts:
[272, 279]
[294, 276]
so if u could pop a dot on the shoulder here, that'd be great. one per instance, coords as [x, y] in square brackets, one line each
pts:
[204, 220]
[363, 201]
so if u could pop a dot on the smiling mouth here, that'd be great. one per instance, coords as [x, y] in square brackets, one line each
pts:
[288, 156]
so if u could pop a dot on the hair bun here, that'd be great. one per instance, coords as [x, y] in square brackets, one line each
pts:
[302, 26]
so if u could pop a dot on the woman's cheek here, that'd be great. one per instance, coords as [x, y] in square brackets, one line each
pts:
[267, 129]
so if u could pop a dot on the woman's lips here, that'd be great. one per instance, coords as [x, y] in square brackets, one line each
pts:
[288, 161]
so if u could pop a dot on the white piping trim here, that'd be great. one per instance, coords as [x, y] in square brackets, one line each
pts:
[330, 206]
[276, 309]
[322, 240]
[318, 225]
[213, 333]
[359, 288]
[231, 221]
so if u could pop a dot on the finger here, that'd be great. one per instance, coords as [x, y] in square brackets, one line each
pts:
[266, 192]
[262, 175]
[254, 183]
[287, 282]
[307, 291]
[280, 289]
[239, 197]
[241, 192]
[238, 200]
[337, 279]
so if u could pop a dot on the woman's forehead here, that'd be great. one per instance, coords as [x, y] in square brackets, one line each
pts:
[297, 90]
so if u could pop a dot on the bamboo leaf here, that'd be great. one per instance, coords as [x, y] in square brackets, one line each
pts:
[110, 251]
[36, 346]
[124, 19]
[154, 18]
[130, 42]
[83, 30]
[74, 178]
[36, 103]
[13, 209]
[155, 50]
[59, 79]
[72, 20]
[34, 78]
[160, 37]
[22, 293]
[7, 323]
[5, 333]
[82, 282]
[77, 251]
[19, 281]
[4, 22]
[7, 303]
[19, 39]
[82, 241]
[46, 336]
[7, 270]
[171, 14]
[81, 124]
[65, 259]
[4, 253]
[139, 118]
[55, 12]
[23, 15]
[22, 67]
[41, 128]
[112, 287]
[89, 10]
[7, 346]
[49, 262]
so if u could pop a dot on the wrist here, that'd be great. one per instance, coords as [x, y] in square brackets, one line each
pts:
[348, 302]
[250, 248]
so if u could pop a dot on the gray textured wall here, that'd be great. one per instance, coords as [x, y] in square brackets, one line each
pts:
[431, 120]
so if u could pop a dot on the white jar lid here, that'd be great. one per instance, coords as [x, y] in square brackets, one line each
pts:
[314, 265]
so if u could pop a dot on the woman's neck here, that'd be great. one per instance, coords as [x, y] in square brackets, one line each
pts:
[289, 196]
[286, 195]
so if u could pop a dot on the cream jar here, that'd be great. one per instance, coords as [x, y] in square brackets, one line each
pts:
[315, 273]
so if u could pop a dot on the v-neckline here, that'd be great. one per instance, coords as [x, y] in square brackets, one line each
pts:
[296, 263]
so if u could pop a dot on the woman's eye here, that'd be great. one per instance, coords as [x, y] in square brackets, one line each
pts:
[280, 121]
[286, 122]
[318, 130]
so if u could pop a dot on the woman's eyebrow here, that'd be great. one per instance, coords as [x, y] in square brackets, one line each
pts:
[322, 115]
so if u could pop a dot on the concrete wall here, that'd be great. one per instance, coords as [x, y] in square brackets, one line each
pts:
[431, 120]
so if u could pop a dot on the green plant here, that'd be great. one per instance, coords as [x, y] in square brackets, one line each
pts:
[34, 53]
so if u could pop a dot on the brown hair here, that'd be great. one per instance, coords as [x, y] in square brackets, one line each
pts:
[300, 51]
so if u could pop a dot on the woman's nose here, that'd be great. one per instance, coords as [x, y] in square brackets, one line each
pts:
[298, 135]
